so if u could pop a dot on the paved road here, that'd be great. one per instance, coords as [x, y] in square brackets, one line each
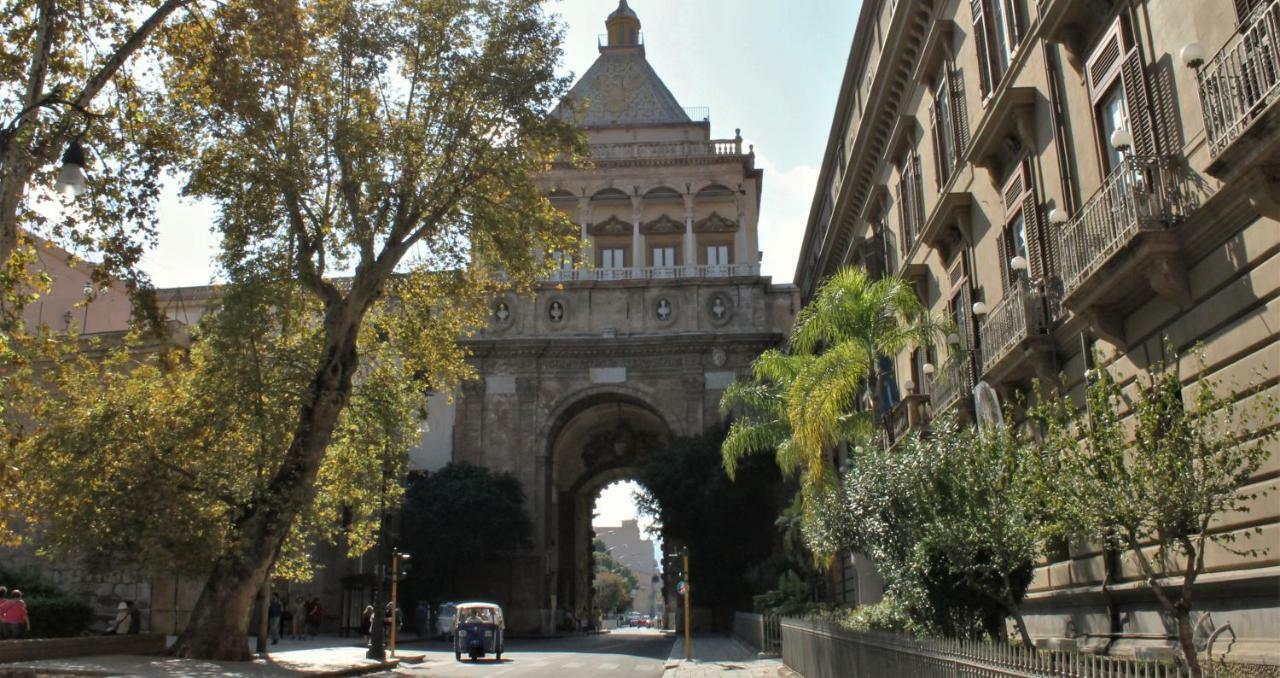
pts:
[627, 653]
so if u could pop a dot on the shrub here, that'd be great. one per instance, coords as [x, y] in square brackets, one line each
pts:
[58, 616]
[54, 613]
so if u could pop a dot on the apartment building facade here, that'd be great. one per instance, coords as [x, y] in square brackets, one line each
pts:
[1064, 179]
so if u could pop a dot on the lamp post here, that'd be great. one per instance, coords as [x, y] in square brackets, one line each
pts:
[396, 557]
[683, 588]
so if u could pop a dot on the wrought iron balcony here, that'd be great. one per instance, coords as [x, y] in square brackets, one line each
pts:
[952, 383]
[1142, 195]
[655, 273]
[908, 415]
[1021, 316]
[1242, 80]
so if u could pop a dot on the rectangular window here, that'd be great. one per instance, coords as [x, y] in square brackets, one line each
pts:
[943, 123]
[663, 257]
[717, 255]
[1023, 233]
[1116, 75]
[614, 257]
[564, 262]
[910, 200]
[997, 31]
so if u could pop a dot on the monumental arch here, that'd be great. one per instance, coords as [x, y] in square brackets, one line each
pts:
[635, 344]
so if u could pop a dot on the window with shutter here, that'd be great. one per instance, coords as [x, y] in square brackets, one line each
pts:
[942, 122]
[997, 31]
[1015, 237]
[1116, 77]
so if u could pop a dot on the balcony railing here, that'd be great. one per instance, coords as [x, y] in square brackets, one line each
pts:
[1021, 314]
[1242, 79]
[667, 150]
[952, 383]
[907, 415]
[655, 273]
[1142, 194]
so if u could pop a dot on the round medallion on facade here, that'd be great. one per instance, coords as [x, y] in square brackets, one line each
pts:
[664, 310]
[719, 357]
[719, 309]
[502, 312]
[557, 311]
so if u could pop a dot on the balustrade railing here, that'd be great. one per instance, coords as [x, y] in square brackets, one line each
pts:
[952, 382]
[1019, 315]
[905, 416]
[666, 150]
[1142, 194]
[655, 272]
[1242, 79]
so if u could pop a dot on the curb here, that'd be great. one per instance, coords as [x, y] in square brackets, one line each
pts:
[360, 669]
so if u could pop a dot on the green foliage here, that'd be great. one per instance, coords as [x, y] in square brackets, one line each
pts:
[53, 613]
[792, 597]
[149, 457]
[457, 523]
[612, 593]
[806, 399]
[726, 524]
[1153, 494]
[954, 519]
[888, 616]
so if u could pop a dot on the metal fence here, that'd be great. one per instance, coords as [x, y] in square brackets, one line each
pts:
[763, 632]
[818, 649]
[1242, 79]
[952, 383]
[1019, 315]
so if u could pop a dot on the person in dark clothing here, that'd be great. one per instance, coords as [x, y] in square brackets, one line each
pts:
[275, 610]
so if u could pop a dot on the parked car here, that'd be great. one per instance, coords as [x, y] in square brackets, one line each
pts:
[477, 631]
[444, 619]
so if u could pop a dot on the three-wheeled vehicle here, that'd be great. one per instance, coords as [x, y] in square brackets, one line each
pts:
[477, 631]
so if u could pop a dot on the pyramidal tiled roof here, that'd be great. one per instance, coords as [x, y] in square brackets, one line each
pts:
[621, 89]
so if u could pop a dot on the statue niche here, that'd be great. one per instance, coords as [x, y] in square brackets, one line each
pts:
[617, 447]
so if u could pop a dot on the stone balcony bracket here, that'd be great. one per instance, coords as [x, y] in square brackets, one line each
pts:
[948, 226]
[1070, 22]
[1006, 129]
[937, 42]
[906, 130]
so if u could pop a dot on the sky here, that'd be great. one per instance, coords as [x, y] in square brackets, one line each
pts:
[769, 67]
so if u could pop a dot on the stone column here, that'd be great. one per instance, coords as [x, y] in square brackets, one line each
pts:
[637, 242]
[584, 217]
[741, 249]
[690, 253]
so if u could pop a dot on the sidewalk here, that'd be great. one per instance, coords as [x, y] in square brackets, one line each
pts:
[324, 656]
[717, 656]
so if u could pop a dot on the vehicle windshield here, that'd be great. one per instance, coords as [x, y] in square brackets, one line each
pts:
[477, 615]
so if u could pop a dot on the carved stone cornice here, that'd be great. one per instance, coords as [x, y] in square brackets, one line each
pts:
[611, 226]
[715, 224]
[661, 226]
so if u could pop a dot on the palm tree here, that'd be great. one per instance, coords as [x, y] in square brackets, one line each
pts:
[802, 400]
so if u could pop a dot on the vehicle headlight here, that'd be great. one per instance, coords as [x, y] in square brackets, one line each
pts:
[488, 634]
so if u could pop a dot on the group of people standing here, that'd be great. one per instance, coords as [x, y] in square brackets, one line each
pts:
[302, 618]
[14, 620]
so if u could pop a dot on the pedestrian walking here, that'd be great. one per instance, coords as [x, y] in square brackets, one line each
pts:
[366, 624]
[14, 617]
[315, 616]
[275, 611]
[297, 618]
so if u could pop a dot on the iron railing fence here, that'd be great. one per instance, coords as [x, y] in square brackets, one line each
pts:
[1021, 314]
[1144, 193]
[655, 272]
[1242, 79]
[952, 382]
[820, 650]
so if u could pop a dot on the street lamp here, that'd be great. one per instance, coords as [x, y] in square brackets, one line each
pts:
[396, 558]
[979, 309]
[683, 588]
[71, 179]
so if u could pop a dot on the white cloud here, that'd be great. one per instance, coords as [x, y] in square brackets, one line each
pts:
[784, 213]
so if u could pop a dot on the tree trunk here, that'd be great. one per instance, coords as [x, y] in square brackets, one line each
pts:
[218, 627]
[1187, 640]
[1022, 628]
